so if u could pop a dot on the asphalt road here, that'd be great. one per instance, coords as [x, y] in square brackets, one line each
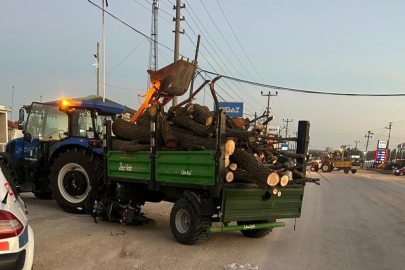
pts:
[349, 222]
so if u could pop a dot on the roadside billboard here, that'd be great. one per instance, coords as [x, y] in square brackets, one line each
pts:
[274, 130]
[232, 109]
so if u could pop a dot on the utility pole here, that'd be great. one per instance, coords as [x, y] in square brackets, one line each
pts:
[388, 143]
[368, 136]
[153, 48]
[177, 33]
[356, 144]
[268, 107]
[286, 128]
[98, 68]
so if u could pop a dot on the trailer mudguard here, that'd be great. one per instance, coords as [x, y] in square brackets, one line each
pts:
[203, 205]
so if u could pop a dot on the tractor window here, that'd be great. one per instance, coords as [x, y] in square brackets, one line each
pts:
[81, 123]
[47, 122]
[99, 124]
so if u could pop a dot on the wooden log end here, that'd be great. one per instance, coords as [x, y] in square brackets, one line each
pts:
[284, 180]
[279, 193]
[275, 191]
[209, 120]
[229, 177]
[233, 166]
[273, 179]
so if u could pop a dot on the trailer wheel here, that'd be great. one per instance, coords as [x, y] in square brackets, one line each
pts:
[258, 233]
[325, 168]
[187, 226]
[74, 180]
[354, 171]
[346, 170]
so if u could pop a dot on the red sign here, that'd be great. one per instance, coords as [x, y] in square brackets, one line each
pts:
[10, 191]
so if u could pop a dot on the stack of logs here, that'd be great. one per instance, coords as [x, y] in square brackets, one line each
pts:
[249, 157]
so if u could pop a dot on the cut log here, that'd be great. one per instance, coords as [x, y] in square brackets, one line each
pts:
[202, 114]
[227, 162]
[273, 179]
[129, 146]
[229, 176]
[258, 128]
[184, 121]
[247, 136]
[240, 122]
[233, 166]
[242, 175]
[279, 193]
[168, 135]
[275, 191]
[229, 147]
[129, 131]
[191, 141]
[284, 180]
[259, 172]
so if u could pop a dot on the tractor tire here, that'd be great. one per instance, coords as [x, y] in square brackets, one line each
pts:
[346, 170]
[326, 168]
[258, 233]
[186, 225]
[75, 179]
[354, 171]
[316, 169]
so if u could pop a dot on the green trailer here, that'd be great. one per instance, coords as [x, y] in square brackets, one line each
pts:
[194, 182]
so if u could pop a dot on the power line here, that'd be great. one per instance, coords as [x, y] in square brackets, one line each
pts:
[124, 88]
[304, 91]
[131, 27]
[125, 57]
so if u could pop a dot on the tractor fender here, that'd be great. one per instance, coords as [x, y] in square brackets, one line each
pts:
[203, 204]
[14, 163]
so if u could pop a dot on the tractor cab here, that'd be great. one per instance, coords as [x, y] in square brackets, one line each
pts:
[51, 129]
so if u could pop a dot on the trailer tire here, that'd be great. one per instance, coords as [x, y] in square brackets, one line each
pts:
[258, 233]
[74, 180]
[326, 168]
[186, 225]
[354, 171]
[346, 170]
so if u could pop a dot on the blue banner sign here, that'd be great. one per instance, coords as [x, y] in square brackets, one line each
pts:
[232, 109]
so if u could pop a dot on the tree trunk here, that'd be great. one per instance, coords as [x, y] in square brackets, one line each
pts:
[187, 140]
[243, 135]
[250, 164]
[184, 121]
[202, 114]
[168, 135]
[129, 131]
[129, 146]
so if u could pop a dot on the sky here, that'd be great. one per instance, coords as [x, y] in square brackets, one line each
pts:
[47, 47]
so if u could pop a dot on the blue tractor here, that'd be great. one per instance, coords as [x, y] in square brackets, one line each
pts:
[61, 150]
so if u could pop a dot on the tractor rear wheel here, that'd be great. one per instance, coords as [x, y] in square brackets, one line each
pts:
[74, 179]
[325, 168]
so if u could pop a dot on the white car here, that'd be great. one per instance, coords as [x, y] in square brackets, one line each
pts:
[16, 236]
